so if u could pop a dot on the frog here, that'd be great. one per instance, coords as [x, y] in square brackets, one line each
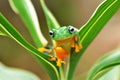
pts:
[64, 38]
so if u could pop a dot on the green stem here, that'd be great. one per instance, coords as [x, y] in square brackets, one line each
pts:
[62, 73]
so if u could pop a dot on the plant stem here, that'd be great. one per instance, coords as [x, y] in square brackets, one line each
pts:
[62, 73]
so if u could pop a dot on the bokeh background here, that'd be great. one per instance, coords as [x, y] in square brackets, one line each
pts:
[67, 12]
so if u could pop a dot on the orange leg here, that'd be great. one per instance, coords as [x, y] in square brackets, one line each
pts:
[61, 54]
[73, 44]
[53, 59]
[60, 61]
[43, 49]
[77, 45]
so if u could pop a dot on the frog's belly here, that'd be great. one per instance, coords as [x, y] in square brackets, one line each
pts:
[61, 53]
[65, 44]
[63, 50]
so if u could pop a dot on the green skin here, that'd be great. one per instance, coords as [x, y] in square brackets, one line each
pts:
[64, 33]
[64, 38]
[61, 34]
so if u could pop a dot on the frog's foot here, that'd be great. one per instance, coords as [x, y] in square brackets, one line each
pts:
[53, 59]
[59, 62]
[75, 44]
[45, 50]
[78, 47]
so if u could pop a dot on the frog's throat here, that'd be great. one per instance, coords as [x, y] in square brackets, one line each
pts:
[64, 40]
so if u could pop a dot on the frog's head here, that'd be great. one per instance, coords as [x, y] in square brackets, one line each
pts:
[64, 32]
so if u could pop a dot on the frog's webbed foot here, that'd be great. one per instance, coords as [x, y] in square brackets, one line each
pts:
[53, 59]
[78, 47]
[59, 62]
[76, 44]
[46, 49]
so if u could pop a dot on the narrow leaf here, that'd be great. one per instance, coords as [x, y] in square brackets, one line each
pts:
[27, 12]
[91, 29]
[8, 73]
[49, 66]
[113, 74]
[107, 61]
[51, 21]
[2, 32]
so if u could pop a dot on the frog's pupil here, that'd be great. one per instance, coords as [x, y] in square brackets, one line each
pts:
[72, 29]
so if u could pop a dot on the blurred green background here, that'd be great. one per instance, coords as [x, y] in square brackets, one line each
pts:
[67, 12]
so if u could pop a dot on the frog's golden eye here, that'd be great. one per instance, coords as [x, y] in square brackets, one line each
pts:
[51, 33]
[71, 29]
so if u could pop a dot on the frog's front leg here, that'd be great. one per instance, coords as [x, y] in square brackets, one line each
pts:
[76, 44]
[46, 49]
[60, 54]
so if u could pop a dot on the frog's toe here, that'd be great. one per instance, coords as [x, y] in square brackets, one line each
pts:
[60, 61]
[73, 44]
[45, 50]
[78, 48]
[53, 59]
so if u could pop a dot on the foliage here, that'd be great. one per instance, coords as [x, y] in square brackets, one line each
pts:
[87, 34]
[15, 74]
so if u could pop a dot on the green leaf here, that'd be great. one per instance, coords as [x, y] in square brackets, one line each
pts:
[107, 61]
[49, 66]
[113, 74]
[91, 29]
[109, 74]
[27, 13]
[8, 73]
[2, 32]
[51, 21]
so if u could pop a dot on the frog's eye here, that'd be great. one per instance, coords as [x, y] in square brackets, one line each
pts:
[71, 29]
[51, 33]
